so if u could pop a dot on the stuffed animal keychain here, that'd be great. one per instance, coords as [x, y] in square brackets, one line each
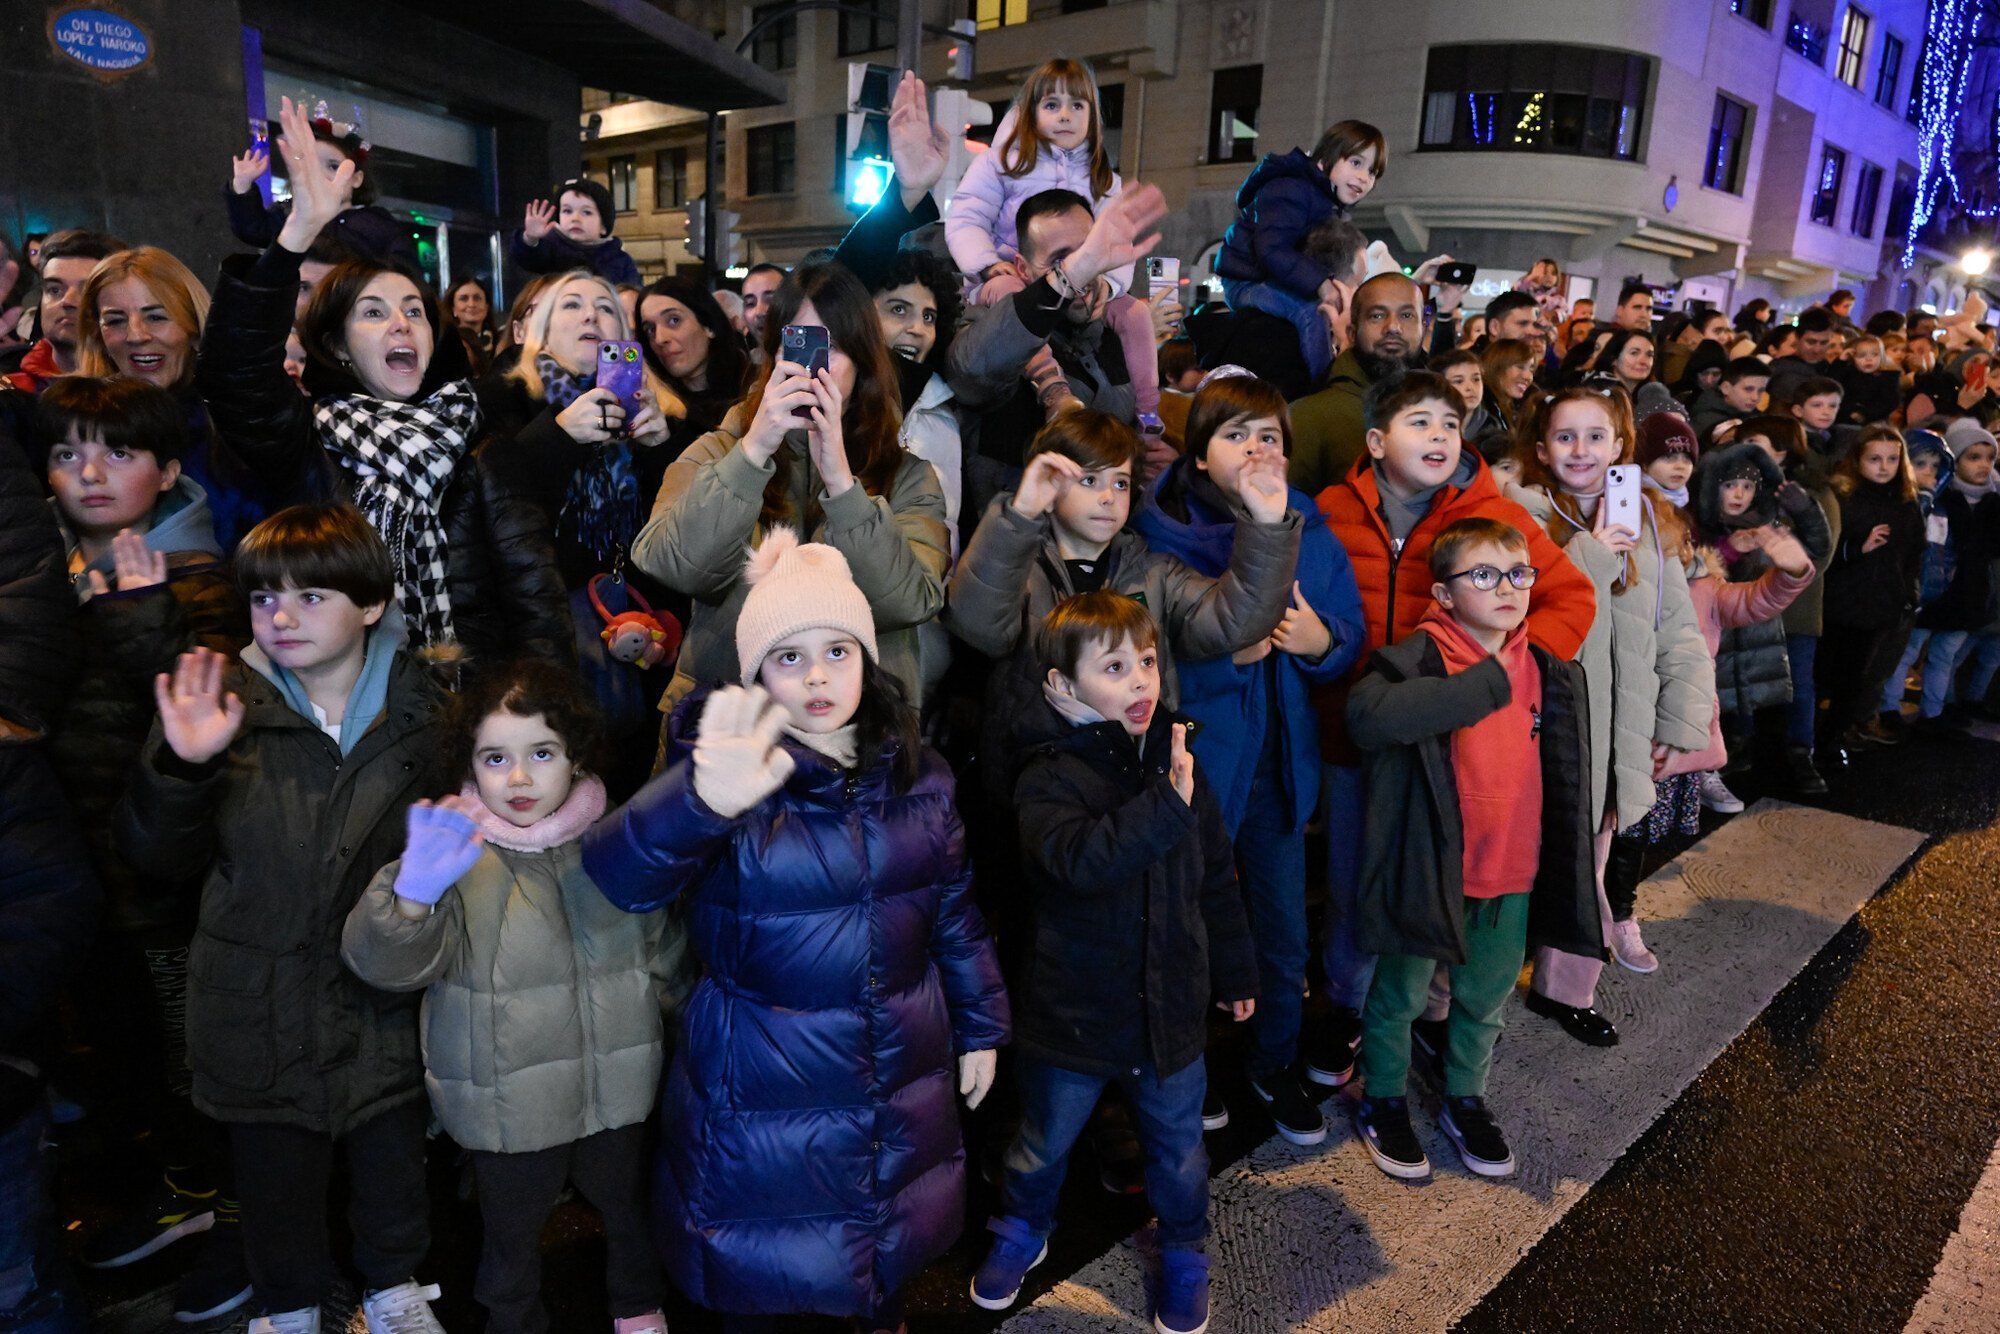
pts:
[644, 638]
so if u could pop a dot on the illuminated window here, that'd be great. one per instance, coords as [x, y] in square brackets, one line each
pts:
[999, 13]
[1826, 197]
[1575, 100]
[1853, 46]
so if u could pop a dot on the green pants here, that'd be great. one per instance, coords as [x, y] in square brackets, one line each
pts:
[1496, 942]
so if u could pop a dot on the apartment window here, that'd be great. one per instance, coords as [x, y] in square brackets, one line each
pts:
[1826, 195]
[1576, 100]
[1728, 143]
[624, 184]
[1757, 11]
[872, 31]
[670, 178]
[1079, 6]
[773, 151]
[1810, 26]
[776, 47]
[1888, 71]
[1232, 114]
[1111, 120]
[1867, 194]
[1853, 46]
[990, 14]
[1902, 199]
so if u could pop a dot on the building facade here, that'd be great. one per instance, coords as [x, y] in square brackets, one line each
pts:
[1722, 148]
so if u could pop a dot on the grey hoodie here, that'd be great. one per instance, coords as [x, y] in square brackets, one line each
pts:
[181, 523]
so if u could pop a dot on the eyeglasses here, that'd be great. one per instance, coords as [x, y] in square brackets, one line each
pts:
[1486, 578]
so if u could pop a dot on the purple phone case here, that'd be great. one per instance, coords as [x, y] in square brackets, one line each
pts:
[621, 368]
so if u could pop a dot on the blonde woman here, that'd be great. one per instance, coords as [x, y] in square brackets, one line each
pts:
[140, 314]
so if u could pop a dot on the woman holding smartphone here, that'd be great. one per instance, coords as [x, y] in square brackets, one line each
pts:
[816, 451]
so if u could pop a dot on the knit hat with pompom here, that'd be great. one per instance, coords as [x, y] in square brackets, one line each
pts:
[797, 586]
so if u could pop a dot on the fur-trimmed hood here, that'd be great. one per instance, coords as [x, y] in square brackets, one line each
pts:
[1725, 462]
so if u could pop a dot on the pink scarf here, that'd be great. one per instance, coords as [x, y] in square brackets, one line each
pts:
[578, 812]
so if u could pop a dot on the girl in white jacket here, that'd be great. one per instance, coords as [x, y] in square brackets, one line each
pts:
[1051, 139]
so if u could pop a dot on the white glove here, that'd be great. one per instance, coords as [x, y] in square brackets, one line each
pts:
[975, 1075]
[737, 759]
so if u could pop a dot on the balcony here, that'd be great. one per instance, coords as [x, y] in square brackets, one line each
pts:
[1140, 35]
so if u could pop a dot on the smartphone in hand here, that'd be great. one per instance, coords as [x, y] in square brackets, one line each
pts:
[805, 345]
[621, 368]
[1622, 498]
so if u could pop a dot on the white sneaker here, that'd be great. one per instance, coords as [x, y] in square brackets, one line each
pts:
[303, 1321]
[1629, 948]
[1716, 796]
[403, 1309]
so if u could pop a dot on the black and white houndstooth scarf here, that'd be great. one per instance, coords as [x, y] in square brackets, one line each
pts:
[400, 458]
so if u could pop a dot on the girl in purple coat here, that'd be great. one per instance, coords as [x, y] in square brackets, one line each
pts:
[810, 1156]
[1052, 138]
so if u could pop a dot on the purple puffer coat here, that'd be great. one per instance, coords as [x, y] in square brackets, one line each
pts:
[810, 1158]
[980, 229]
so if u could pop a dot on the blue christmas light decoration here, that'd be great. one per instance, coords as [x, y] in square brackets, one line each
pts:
[1947, 61]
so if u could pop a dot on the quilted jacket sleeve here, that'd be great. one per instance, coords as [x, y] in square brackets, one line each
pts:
[1279, 217]
[1564, 602]
[703, 517]
[1385, 711]
[1232, 954]
[988, 590]
[1076, 852]
[529, 590]
[1686, 671]
[396, 953]
[897, 545]
[966, 961]
[1207, 618]
[240, 374]
[166, 820]
[658, 845]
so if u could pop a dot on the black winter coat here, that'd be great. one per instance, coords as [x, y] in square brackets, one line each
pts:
[291, 831]
[1752, 669]
[1875, 590]
[1139, 925]
[38, 643]
[1412, 892]
[1965, 603]
[507, 594]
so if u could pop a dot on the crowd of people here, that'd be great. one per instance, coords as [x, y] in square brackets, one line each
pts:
[942, 669]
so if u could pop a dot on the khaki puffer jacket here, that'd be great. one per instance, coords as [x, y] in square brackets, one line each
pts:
[542, 1022]
[1645, 664]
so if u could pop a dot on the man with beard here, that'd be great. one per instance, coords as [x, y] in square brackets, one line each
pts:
[66, 259]
[1328, 429]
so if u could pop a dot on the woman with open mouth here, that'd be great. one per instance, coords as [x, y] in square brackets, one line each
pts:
[390, 422]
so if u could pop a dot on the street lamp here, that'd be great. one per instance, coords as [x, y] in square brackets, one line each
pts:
[1976, 261]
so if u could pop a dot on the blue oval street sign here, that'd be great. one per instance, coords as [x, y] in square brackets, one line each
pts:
[104, 43]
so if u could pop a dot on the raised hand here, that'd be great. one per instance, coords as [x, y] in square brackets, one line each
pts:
[975, 1076]
[441, 844]
[1262, 486]
[1878, 536]
[917, 147]
[1302, 633]
[538, 221]
[245, 168]
[199, 720]
[824, 438]
[1180, 765]
[134, 565]
[594, 416]
[1042, 483]
[317, 195]
[1786, 551]
[1123, 233]
[737, 759]
[787, 391]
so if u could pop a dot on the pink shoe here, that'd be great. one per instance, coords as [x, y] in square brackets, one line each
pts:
[1629, 948]
[653, 1322]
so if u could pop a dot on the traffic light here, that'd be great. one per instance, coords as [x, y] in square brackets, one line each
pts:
[865, 132]
[965, 43]
[728, 245]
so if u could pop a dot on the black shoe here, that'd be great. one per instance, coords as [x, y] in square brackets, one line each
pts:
[1742, 754]
[219, 1282]
[1384, 1127]
[1331, 1062]
[1214, 1112]
[1801, 774]
[1585, 1025]
[1295, 1111]
[166, 1215]
[1429, 1040]
[43, 1310]
[1471, 1129]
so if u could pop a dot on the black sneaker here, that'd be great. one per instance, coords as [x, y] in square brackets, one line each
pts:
[1384, 1127]
[219, 1281]
[1214, 1112]
[1331, 1062]
[1296, 1113]
[161, 1219]
[1472, 1131]
[1801, 773]
[1428, 1038]
[1586, 1024]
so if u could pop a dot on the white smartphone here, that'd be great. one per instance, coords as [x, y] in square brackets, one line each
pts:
[1163, 273]
[1622, 498]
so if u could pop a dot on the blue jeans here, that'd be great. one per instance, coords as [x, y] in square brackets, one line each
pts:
[1946, 651]
[1349, 968]
[1315, 343]
[1985, 655]
[26, 1257]
[1271, 865]
[1800, 650]
[1055, 1107]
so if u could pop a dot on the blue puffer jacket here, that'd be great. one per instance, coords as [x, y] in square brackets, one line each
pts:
[810, 1158]
[1284, 197]
[1234, 703]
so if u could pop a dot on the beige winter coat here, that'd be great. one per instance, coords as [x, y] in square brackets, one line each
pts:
[1645, 663]
[705, 521]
